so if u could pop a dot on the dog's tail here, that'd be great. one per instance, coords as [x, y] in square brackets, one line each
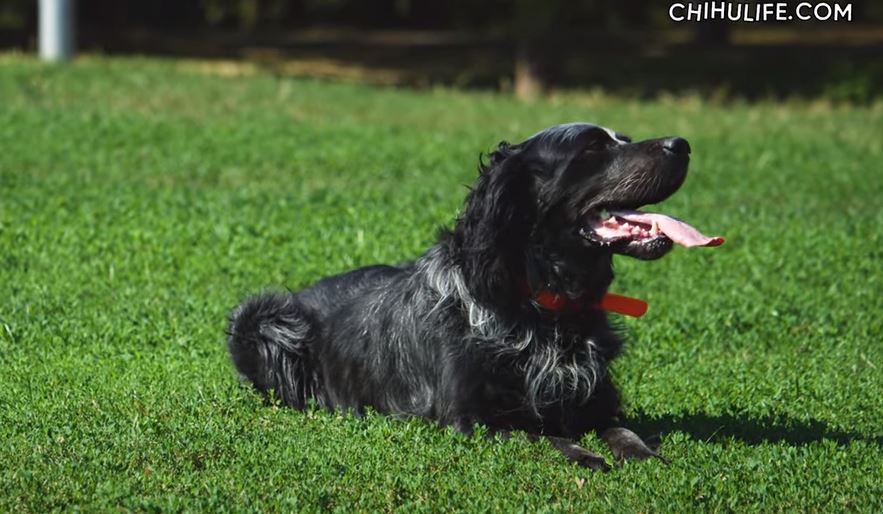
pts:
[269, 338]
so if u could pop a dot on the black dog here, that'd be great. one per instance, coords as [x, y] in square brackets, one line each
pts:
[498, 322]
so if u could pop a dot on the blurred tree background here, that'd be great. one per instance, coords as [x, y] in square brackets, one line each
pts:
[627, 47]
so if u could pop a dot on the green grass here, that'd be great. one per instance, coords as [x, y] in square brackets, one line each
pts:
[141, 200]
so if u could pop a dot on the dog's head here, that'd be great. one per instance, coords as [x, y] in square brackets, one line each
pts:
[579, 172]
[552, 210]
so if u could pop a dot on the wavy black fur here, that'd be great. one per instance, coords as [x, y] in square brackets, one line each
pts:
[455, 336]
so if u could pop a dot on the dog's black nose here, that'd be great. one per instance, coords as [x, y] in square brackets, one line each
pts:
[677, 145]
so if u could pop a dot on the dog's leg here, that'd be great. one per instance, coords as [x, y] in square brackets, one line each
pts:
[625, 444]
[574, 452]
[568, 447]
[464, 425]
[600, 415]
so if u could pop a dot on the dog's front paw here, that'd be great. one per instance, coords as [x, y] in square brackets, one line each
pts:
[576, 453]
[587, 459]
[626, 445]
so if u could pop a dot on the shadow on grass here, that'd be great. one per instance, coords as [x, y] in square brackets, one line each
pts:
[749, 430]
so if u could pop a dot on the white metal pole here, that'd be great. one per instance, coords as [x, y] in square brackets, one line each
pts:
[56, 30]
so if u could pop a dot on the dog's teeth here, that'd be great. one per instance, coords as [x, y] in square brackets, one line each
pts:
[654, 228]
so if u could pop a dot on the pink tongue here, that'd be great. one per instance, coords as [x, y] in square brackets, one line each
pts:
[676, 230]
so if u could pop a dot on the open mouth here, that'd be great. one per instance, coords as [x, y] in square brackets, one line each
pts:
[645, 235]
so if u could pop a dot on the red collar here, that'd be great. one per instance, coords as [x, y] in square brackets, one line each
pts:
[609, 302]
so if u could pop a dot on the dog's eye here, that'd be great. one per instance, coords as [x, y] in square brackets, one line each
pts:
[595, 145]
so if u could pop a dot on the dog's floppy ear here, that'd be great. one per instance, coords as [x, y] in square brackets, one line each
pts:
[503, 151]
[493, 230]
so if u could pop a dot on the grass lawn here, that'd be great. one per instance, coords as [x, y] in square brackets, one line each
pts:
[140, 200]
